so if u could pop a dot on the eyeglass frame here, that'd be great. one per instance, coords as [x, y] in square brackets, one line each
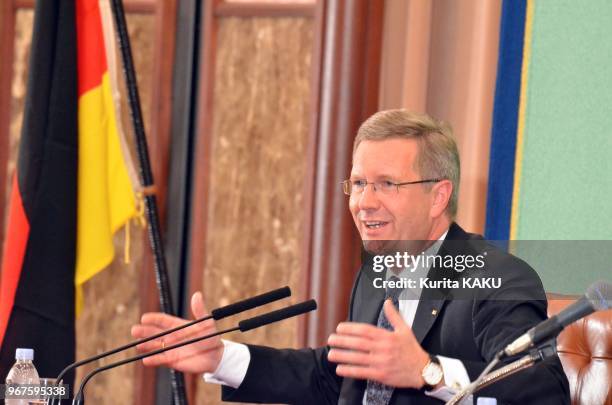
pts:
[397, 185]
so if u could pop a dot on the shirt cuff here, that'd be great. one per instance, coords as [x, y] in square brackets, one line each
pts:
[455, 379]
[233, 365]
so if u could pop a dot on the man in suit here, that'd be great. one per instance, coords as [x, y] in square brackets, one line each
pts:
[425, 342]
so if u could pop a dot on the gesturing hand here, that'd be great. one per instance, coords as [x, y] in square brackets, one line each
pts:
[200, 357]
[363, 351]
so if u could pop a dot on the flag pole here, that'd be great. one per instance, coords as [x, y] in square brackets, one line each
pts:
[146, 179]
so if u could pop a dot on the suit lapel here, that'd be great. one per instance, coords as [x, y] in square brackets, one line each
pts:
[425, 317]
[432, 301]
[369, 300]
[366, 306]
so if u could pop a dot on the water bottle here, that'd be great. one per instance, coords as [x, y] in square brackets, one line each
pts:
[22, 372]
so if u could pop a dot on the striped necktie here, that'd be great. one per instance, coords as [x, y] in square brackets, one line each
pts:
[376, 392]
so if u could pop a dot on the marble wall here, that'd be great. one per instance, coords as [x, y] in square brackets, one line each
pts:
[261, 120]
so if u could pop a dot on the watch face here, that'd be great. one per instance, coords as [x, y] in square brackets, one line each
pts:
[432, 374]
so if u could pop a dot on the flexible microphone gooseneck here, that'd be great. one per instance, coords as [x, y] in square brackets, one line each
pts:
[597, 297]
[535, 355]
[243, 326]
[216, 314]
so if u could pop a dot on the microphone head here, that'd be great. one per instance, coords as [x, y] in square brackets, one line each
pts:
[250, 303]
[279, 315]
[599, 295]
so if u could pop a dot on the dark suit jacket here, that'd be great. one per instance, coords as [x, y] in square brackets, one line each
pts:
[471, 328]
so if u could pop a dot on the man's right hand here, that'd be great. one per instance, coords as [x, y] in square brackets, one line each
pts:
[200, 357]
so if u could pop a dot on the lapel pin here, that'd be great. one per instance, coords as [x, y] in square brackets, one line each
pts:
[434, 312]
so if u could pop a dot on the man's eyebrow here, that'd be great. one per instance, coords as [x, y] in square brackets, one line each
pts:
[383, 176]
[387, 176]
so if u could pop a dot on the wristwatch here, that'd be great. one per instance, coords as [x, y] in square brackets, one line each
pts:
[432, 373]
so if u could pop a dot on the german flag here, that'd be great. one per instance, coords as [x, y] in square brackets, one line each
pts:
[71, 189]
[105, 193]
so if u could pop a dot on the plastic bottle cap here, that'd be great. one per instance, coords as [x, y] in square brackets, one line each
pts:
[24, 354]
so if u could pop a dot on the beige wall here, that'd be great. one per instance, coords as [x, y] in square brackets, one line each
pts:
[440, 57]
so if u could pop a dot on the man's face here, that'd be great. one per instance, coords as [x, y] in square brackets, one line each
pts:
[404, 215]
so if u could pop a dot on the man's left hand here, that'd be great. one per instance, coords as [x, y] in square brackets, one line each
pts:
[363, 351]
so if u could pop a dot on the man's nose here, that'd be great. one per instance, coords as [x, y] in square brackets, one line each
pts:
[369, 198]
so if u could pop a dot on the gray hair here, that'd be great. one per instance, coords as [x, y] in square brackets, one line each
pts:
[438, 155]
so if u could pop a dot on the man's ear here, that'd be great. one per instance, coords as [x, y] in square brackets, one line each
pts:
[441, 193]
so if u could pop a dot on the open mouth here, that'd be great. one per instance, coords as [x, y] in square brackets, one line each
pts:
[374, 224]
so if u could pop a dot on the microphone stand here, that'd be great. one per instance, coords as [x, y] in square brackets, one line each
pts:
[216, 314]
[78, 398]
[535, 356]
[121, 348]
[243, 326]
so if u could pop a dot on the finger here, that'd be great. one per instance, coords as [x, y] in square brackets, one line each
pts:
[142, 331]
[357, 372]
[198, 309]
[190, 332]
[350, 342]
[349, 357]
[157, 360]
[364, 330]
[152, 345]
[394, 316]
[161, 320]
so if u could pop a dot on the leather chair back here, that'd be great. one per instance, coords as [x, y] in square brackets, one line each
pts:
[585, 350]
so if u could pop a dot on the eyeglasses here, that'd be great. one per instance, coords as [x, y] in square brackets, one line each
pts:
[386, 187]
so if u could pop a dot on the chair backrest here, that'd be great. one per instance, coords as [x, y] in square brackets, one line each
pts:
[585, 350]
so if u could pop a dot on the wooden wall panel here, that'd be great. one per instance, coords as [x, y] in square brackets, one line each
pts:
[348, 88]
[21, 56]
[7, 40]
[257, 169]
[343, 85]
[111, 307]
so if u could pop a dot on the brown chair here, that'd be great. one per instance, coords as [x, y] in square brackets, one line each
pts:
[585, 350]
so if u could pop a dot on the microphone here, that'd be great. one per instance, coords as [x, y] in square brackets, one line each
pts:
[250, 303]
[488, 377]
[216, 314]
[596, 298]
[278, 315]
[243, 326]
[542, 336]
